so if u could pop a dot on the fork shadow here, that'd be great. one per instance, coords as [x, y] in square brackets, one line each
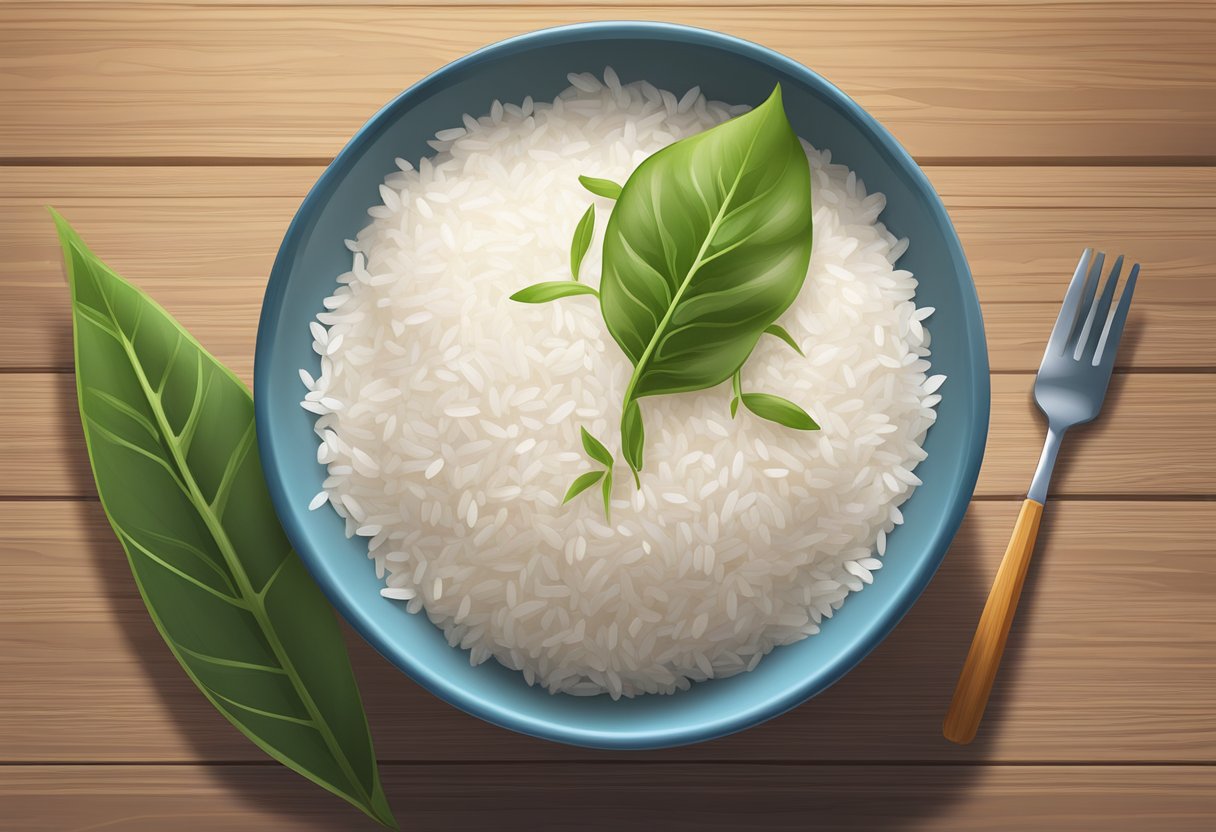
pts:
[1017, 646]
[1129, 345]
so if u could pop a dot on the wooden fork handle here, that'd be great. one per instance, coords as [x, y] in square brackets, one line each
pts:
[984, 657]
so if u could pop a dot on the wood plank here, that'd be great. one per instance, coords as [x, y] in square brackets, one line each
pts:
[607, 797]
[1109, 660]
[956, 81]
[1145, 442]
[1031, 186]
[1154, 438]
[1090, 187]
[202, 240]
[406, 4]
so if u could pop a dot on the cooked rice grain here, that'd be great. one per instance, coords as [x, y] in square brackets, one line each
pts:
[449, 415]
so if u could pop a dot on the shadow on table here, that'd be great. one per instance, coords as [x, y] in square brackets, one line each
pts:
[888, 710]
[886, 714]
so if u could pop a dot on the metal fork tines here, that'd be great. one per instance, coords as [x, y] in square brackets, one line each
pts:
[1080, 355]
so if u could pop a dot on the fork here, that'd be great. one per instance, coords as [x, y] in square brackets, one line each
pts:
[1069, 389]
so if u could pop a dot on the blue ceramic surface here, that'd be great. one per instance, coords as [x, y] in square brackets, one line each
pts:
[675, 58]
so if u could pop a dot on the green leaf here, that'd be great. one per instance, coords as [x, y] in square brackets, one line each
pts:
[779, 331]
[708, 244]
[583, 233]
[595, 449]
[633, 438]
[607, 489]
[601, 187]
[581, 484]
[734, 406]
[170, 437]
[552, 290]
[779, 410]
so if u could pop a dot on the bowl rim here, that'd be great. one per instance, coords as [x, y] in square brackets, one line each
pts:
[816, 680]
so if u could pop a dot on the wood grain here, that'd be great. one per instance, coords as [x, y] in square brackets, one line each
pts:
[1154, 437]
[959, 81]
[405, 4]
[1109, 658]
[612, 797]
[202, 241]
[1031, 186]
[181, 137]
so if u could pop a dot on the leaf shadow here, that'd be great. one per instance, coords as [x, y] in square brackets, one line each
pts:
[205, 733]
[200, 733]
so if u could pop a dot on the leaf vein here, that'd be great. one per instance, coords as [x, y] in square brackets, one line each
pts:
[262, 593]
[126, 410]
[202, 556]
[185, 576]
[131, 446]
[223, 662]
[96, 318]
[235, 460]
[295, 720]
[201, 390]
[164, 377]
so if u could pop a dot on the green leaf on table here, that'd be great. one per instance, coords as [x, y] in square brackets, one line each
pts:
[707, 245]
[170, 436]
[779, 410]
[780, 332]
[583, 233]
[595, 449]
[600, 187]
[581, 484]
[552, 290]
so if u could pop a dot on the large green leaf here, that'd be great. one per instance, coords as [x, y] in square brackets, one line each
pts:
[170, 436]
[707, 245]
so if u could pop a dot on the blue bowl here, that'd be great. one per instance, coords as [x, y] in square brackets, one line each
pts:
[675, 58]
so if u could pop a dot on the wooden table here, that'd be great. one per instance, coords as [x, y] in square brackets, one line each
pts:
[180, 139]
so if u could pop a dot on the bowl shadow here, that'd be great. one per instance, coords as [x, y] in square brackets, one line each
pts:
[887, 712]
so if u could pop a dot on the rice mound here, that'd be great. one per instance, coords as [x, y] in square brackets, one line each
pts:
[449, 415]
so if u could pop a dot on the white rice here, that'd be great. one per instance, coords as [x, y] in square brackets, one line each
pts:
[449, 415]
